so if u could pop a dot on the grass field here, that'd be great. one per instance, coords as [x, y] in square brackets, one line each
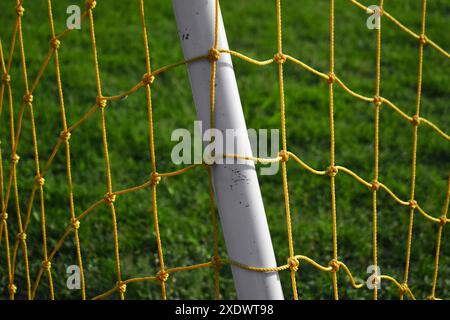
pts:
[183, 201]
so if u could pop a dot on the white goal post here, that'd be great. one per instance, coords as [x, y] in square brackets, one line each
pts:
[241, 207]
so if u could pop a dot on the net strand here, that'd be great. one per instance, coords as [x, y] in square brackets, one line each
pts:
[65, 137]
[162, 274]
[332, 171]
[414, 152]
[376, 151]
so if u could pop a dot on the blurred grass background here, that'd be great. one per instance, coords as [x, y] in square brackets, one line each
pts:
[183, 201]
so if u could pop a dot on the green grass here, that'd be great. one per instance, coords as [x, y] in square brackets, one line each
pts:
[183, 201]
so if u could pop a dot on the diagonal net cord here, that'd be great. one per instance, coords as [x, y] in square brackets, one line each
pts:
[293, 261]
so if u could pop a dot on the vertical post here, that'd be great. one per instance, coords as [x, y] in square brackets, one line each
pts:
[236, 186]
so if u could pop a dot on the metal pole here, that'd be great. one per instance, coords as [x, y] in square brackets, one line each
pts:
[236, 186]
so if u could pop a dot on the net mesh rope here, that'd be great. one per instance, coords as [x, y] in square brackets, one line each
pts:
[9, 186]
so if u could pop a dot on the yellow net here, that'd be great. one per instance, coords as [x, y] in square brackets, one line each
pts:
[9, 185]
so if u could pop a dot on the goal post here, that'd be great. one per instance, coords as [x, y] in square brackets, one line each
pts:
[239, 201]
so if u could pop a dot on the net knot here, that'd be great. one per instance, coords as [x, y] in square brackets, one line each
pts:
[217, 262]
[65, 136]
[90, 4]
[331, 77]
[375, 185]
[377, 100]
[279, 58]
[415, 120]
[148, 79]
[122, 286]
[332, 171]
[6, 78]
[28, 98]
[12, 289]
[22, 236]
[376, 280]
[20, 10]
[412, 204]
[155, 178]
[3, 217]
[284, 155]
[293, 263]
[55, 43]
[46, 265]
[101, 102]
[15, 158]
[75, 224]
[334, 265]
[423, 39]
[443, 220]
[213, 54]
[109, 198]
[404, 289]
[40, 180]
[162, 276]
